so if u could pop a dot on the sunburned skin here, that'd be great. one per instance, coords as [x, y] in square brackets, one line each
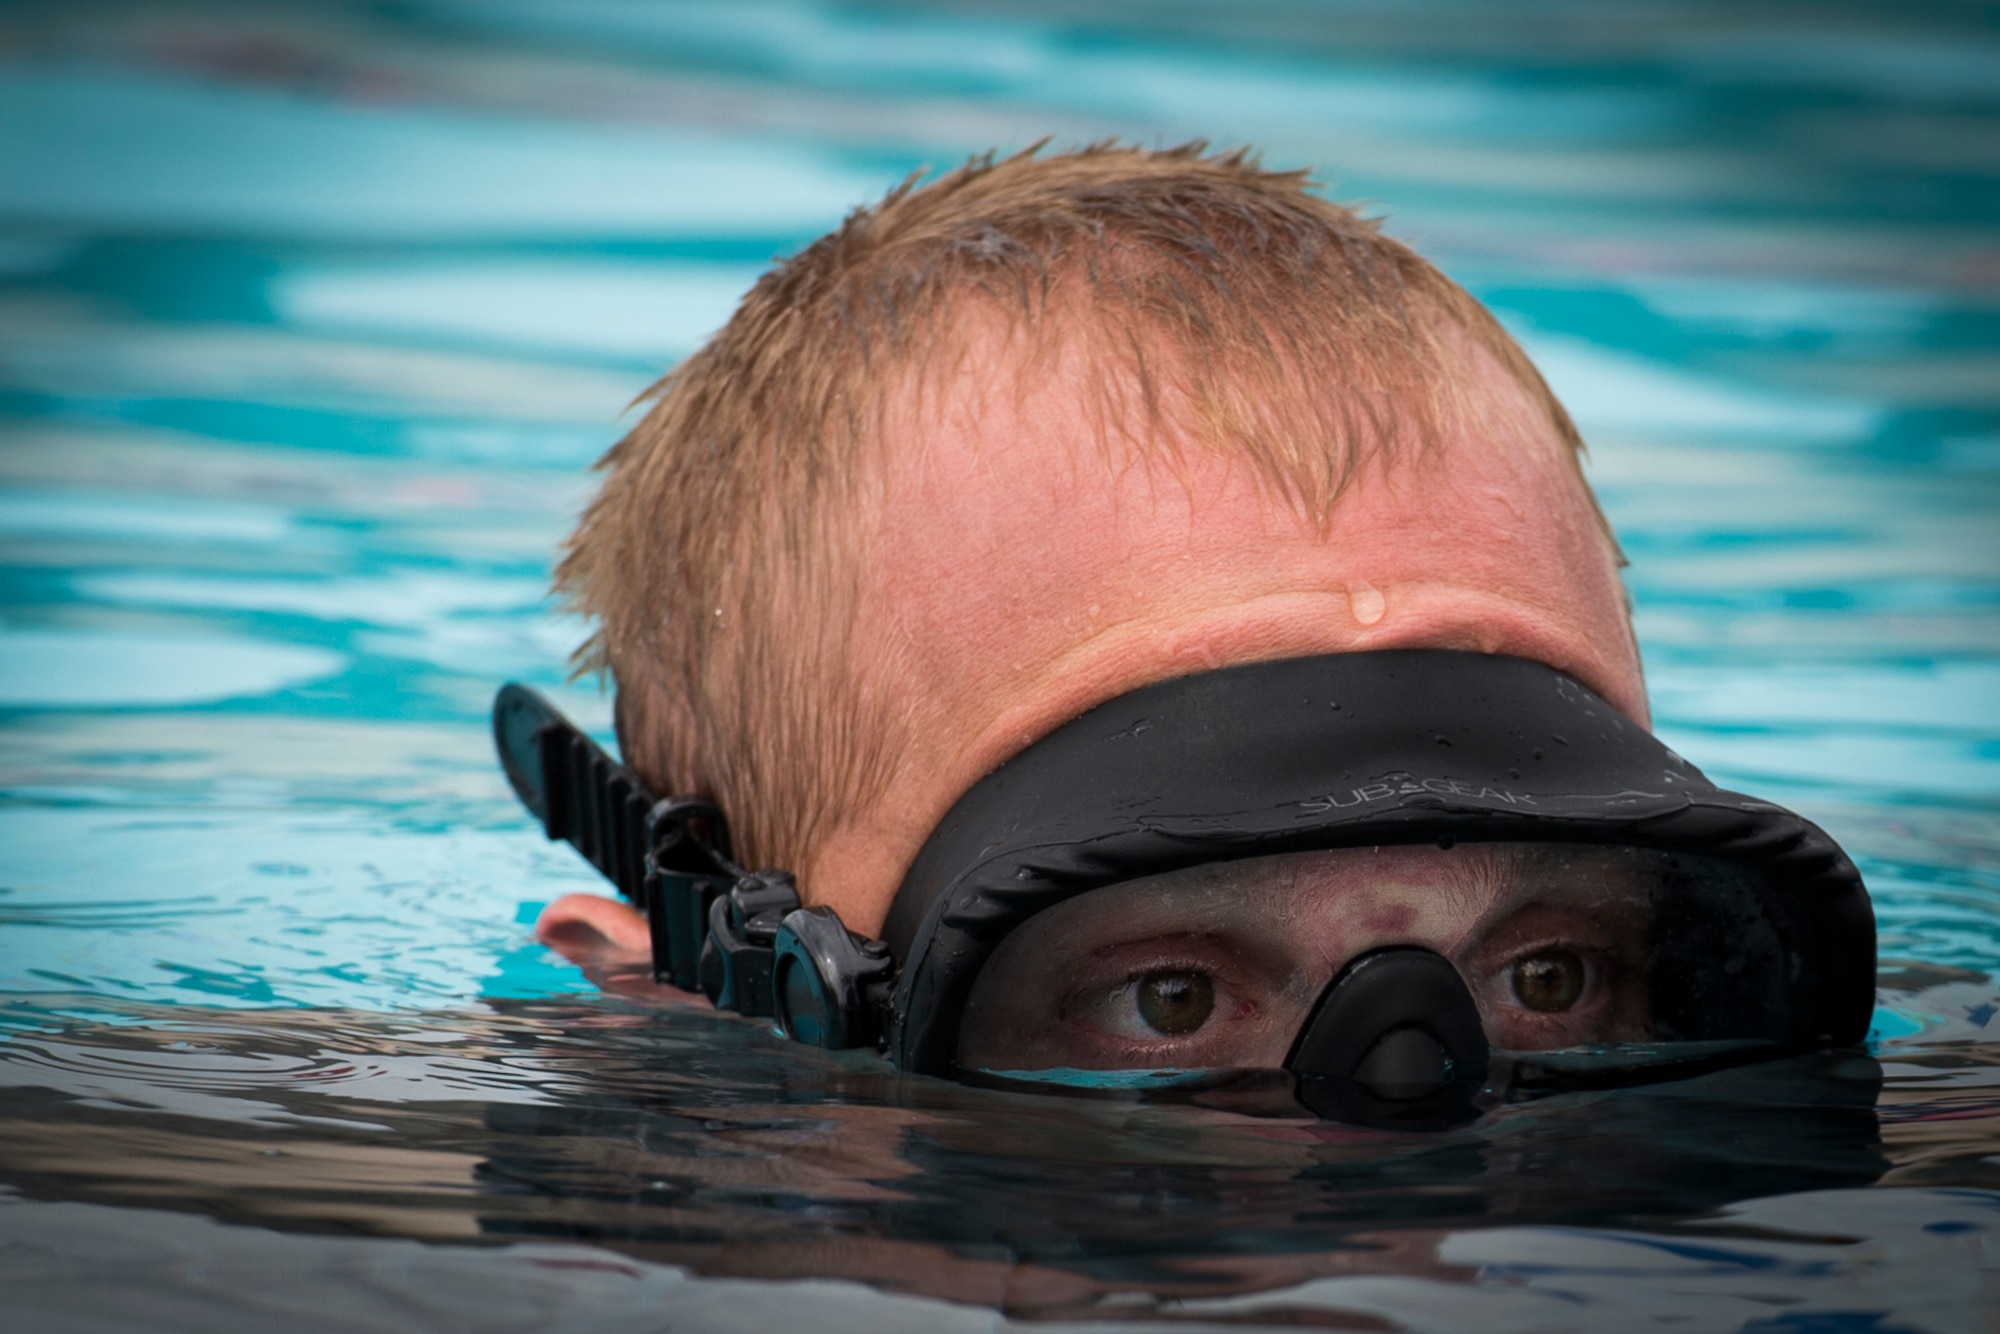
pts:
[1221, 965]
[1020, 571]
[1024, 573]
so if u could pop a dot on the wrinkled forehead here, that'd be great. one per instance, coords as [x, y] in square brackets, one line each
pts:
[1462, 882]
[1031, 511]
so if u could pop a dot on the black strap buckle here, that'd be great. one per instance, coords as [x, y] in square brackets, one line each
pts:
[670, 858]
[715, 927]
[742, 927]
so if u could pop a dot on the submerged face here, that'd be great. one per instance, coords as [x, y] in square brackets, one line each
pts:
[1021, 568]
[1221, 965]
[1025, 571]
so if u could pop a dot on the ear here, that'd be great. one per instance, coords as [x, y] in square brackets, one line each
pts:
[609, 940]
[589, 929]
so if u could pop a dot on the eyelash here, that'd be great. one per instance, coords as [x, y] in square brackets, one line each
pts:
[1083, 997]
[1167, 966]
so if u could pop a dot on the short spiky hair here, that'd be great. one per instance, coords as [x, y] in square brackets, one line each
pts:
[1229, 307]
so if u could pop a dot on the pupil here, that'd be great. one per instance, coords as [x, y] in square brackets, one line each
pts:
[1176, 1003]
[1549, 981]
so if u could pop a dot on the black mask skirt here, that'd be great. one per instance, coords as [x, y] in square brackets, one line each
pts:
[1633, 922]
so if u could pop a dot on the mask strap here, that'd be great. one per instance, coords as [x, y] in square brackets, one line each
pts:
[716, 928]
[670, 859]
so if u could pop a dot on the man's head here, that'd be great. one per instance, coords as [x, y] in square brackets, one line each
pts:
[1041, 432]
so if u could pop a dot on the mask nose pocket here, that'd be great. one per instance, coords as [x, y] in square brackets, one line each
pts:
[1395, 1043]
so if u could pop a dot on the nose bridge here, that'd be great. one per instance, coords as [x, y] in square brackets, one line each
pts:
[1395, 1042]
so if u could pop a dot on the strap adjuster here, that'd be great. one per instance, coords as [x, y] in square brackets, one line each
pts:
[670, 858]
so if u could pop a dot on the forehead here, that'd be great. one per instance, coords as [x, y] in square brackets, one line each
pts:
[1101, 416]
[1023, 496]
[1321, 895]
[1017, 564]
[1462, 878]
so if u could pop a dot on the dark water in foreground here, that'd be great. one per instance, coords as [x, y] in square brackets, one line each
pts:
[641, 1164]
[313, 314]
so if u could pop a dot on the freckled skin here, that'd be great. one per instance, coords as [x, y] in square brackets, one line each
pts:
[1021, 572]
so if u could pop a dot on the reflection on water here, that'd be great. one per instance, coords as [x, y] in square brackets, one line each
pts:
[686, 1139]
[312, 317]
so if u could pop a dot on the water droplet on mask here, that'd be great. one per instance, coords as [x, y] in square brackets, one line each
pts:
[1367, 602]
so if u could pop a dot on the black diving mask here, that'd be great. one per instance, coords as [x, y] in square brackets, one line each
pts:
[1417, 881]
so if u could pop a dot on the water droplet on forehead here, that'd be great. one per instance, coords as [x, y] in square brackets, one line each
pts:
[1367, 602]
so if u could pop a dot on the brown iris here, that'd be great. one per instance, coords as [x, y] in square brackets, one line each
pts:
[1174, 1003]
[1549, 980]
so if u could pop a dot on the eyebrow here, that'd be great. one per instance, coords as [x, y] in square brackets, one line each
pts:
[1478, 880]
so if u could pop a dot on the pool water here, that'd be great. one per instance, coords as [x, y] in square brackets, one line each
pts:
[312, 319]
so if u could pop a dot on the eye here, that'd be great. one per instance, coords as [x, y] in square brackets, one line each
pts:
[1174, 1003]
[1550, 980]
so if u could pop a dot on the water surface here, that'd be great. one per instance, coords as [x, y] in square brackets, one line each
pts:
[312, 318]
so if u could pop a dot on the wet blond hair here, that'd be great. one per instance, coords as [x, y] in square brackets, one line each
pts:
[1226, 306]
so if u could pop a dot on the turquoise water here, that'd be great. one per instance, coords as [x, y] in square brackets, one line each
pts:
[312, 318]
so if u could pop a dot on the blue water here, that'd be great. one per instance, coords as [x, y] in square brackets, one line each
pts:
[312, 319]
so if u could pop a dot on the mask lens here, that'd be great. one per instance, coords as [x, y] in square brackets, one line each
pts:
[1560, 946]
